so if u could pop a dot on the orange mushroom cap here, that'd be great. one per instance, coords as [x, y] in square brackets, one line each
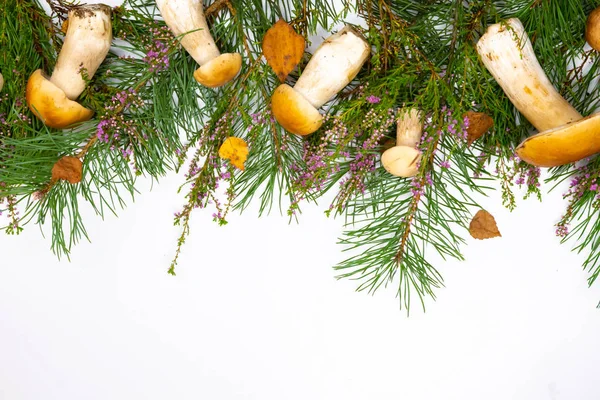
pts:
[564, 144]
[219, 71]
[51, 105]
[294, 112]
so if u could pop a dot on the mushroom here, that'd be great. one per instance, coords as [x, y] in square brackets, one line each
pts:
[564, 135]
[1, 81]
[186, 18]
[333, 66]
[403, 159]
[86, 44]
[592, 29]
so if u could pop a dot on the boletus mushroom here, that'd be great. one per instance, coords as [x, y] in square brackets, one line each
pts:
[86, 44]
[564, 135]
[403, 159]
[592, 29]
[186, 20]
[332, 67]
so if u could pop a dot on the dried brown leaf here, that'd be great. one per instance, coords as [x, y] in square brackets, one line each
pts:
[283, 48]
[68, 168]
[479, 124]
[483, 226]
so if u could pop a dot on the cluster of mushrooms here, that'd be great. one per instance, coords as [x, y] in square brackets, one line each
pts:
[87, 42]
[564, 135]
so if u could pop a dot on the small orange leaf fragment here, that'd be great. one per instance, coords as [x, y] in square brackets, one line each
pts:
[235, 150]
[68, 168]
[283, 48]
[65, 26]
[483, 226]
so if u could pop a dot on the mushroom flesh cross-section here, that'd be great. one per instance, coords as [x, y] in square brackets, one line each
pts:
[564, 135]
[403, 159]
[332, 67]
[186, 20]
[86, 44]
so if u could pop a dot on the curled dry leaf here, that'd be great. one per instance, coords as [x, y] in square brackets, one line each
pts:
[283, 48]
[483, 226]
[479, 124]
[235, 150]
[65, 26]
[68, 168]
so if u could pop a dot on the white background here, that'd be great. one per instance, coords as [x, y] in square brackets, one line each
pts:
[255, 313]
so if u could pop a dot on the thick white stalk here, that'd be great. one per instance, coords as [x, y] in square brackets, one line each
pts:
[409, 128]
[86, 44]
[333, 66]
[507, 53]
[183, 16]
[1, 81]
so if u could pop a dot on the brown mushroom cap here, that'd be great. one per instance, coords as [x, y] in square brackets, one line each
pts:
[294, 112]
[51, 105]
[592, 29]
[564, 144]
[219, 71]
[401, 161]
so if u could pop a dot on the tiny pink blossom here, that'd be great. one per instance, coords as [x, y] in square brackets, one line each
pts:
[373, 99]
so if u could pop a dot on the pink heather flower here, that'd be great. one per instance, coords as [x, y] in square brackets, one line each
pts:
[416, 187]
[445, 164]
[157, 56]
[100, 133]
[373, 99]
[428, 179]
[39, 195]
[562, 230]
[594, 187]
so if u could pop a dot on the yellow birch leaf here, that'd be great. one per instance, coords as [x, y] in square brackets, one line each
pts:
[235, 150]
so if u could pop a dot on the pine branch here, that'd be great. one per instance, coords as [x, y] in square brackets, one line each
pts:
[147, 101]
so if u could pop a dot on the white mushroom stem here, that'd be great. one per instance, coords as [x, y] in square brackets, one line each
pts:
[507, 53]
[86, 45]
[333, 66]
[186, 20]
[1, 81]
[409, 128]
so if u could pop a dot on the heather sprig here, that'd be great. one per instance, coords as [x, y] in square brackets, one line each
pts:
[206, 174]
[364, 156]
[580, 221]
